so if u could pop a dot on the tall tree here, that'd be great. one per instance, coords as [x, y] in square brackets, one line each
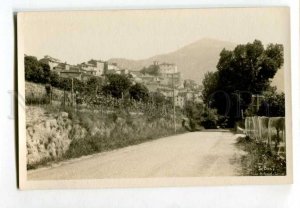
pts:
[249, 67]
[32, 69]
[246, 70]
[210, 85]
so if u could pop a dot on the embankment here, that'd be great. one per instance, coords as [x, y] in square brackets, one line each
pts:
[54, 134]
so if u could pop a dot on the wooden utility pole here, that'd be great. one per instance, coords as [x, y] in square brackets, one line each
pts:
[64, 99]
[174, 110]
[239, 104]
[72, 93]
[51, 94]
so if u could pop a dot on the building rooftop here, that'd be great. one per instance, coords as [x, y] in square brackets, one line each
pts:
[166, 64]
[47, 57]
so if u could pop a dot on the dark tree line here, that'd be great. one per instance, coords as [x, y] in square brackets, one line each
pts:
[39, 72]
[115, 85]
[36, 71]
[245, 71]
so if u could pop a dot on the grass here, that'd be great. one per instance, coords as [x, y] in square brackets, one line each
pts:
[260, 160]
[36, 100]
[116, 130]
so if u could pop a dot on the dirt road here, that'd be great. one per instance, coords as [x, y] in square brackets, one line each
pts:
[185, 155]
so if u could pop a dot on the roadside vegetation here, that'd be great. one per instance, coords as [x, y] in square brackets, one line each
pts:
[116, 130]
[260, 160]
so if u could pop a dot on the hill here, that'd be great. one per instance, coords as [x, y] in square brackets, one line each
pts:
[193, 60]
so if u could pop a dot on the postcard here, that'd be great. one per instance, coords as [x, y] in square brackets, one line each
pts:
[154, 98]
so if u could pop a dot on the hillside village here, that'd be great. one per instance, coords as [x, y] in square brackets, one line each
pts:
[164, 78]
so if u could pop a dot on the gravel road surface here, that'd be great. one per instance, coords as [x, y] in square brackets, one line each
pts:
[186, 155]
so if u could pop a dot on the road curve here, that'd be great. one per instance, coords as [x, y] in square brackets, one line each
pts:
[186, 155]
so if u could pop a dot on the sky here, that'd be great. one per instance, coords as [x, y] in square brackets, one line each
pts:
[76, 37]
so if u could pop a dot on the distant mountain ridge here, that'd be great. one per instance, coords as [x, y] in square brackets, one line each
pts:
[192, 60]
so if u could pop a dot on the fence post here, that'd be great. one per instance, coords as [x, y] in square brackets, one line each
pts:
[269, 134]
[260, 128]
[246, 126]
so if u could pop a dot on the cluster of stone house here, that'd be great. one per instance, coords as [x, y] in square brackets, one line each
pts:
[168, 81]
[167, 76]
[181, 95]
[84, 70]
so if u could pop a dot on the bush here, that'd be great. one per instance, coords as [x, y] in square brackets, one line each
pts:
[200, 115]
[37, 100]
[209, 118]
[139, 92]
[259, 160]
[151, 70]
[54, 79]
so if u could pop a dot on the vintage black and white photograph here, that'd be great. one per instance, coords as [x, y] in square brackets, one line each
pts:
[161, 97]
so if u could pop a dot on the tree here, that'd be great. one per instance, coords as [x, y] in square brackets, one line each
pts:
[246, 70]
[117, 85]
[32, 69]
[273, 104]
[152, 70]
[139, 92]
[54, 79]
[45, 73]
[36, 71]
[65, 83]
[210, 84]
[93, 85]
[78, 85]
[249, 67]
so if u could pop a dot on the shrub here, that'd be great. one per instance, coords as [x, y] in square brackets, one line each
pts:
[209, 118]
[200, 115]
[259, 160]
[37, 100]
[139, 92]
